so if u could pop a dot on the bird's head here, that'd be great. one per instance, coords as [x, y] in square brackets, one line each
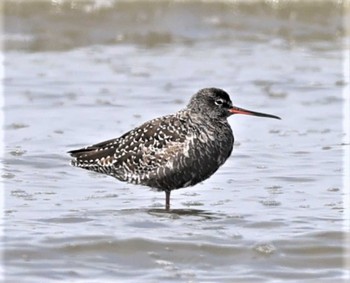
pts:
[216, 103]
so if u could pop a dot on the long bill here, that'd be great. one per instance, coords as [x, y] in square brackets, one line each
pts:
[237, 110]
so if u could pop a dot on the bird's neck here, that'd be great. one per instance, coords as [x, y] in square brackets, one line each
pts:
[202, 119]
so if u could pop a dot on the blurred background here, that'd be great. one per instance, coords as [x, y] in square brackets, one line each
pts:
[80, 72]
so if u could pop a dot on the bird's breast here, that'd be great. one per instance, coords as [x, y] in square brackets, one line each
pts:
[205, 152]
[215, 146]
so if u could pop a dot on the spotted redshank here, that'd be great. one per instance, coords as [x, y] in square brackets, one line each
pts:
[170, 152]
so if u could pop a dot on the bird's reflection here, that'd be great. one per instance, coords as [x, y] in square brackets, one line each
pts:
[187, 212]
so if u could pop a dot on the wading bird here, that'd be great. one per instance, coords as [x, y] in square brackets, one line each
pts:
[173, 151]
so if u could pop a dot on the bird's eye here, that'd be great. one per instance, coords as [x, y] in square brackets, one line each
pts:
[219, 102]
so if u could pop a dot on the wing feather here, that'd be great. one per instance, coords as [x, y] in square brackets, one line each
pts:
[137, 152]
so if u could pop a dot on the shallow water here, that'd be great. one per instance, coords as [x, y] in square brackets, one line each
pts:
[80, 74]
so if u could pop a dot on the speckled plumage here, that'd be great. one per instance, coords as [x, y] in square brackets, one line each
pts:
[169, 152]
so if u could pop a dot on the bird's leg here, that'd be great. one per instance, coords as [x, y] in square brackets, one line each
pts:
[167, 200]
